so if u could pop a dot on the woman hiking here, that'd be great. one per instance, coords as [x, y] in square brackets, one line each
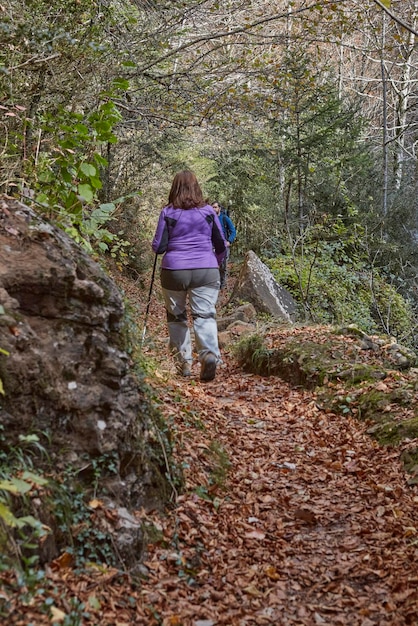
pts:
[190, 236]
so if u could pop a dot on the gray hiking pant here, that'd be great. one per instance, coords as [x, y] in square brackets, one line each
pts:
[201, 286]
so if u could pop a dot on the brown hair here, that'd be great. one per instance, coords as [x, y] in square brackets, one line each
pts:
[185, 192]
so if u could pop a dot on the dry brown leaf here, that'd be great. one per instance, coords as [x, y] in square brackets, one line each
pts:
[95, 504]
[255, 534]
[64, 561]
[272, 573]
[252, 591]
[305, 515]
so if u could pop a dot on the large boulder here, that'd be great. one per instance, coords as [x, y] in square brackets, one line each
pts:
[256, 285]
[67, 375]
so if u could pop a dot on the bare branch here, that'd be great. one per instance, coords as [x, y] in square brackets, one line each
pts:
[242, 29]
[395, 18]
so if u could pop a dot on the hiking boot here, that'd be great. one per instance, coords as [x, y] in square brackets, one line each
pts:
[208, 367]
[185, 369]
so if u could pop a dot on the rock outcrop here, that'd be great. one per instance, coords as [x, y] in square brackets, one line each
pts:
[64, 368]
[256, 285]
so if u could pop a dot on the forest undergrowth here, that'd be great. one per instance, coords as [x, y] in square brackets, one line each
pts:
[290, 514]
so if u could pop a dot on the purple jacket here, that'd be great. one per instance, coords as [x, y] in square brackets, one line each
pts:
[189, 238]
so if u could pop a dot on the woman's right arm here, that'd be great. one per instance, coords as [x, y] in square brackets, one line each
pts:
[160, 241]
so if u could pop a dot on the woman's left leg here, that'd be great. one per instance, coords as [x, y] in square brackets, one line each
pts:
[203, 294]
[174, 290]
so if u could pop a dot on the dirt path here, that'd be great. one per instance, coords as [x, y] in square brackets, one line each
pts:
[290, 516]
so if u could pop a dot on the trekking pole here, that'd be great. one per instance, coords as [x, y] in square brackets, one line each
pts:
[149, 300]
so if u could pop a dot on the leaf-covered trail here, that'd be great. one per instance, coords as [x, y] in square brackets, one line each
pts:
[313, 522]
[289, 516]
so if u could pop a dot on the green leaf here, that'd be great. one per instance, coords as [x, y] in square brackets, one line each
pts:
[42, 198]
[109, 108]
[86, 192]
[103, 127]
[386, 3]
[134, 194]
[121, 83]
[28, 520]
[28, 438]
[67, 176]
[100, 160]
[105, 235]
[46, 176]
[82, 129]
[15, 485]
[95, 182]
[72, 204]
[88, 169]
[40, 481]
[107, 207]
[7, 516]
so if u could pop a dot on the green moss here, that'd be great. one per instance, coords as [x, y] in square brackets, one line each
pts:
[253, 355]
[371, 405]
[356, 373]
[295, 363]
[410, 461]
[302, 363]
[391, 433]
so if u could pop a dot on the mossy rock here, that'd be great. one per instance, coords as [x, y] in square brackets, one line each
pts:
[367, 404]
[357, 372]
[392, 433]
[299, 367]
[410, 460]
[303, 363]
[351, 330]
[372, 403]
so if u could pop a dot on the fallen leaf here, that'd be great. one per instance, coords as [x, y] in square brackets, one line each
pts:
[57, 614]
[255, 534]
[64, 561]
[252, 591]
[95, 504]
[272, 573]
[305, 515]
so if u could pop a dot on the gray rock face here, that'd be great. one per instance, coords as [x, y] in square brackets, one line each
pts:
[257, 285]
[245, 313]
[67, 374]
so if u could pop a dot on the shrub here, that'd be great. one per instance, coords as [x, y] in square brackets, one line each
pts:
[334, 290]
